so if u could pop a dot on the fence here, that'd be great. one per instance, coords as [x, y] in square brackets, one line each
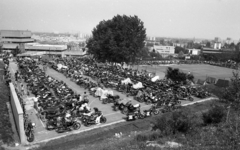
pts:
[17, 113]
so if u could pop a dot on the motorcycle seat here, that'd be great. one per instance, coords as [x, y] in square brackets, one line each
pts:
[136, 105]
[87, 114]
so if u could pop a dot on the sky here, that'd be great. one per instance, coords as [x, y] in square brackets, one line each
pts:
[163, 18]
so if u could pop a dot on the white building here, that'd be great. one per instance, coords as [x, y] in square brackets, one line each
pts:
[164, 50]
[217, 45]
[45, 47]
[194, 51]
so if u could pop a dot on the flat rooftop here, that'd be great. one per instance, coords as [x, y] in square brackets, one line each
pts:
[15, 33]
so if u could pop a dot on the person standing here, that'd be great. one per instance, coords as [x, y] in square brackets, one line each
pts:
[22, 89]
[16, 76]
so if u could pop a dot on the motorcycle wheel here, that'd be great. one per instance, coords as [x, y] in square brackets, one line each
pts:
[115, 108]
[76, 126]
[136, 117]
[140, 116]
[148, 102]
[155, 112]
[125, 111]
[140, 100]
[163, 110]
[103, 120]
[30, 137]
[190, 99]
[104, 101]
[60, 130]
[86, 124]
[47, 127]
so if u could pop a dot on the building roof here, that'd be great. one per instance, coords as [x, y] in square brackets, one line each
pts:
[31, 53]
[209, 49]
[35, 46]
[46, 47]
[15, 33]
[10, 46]
[16, 40]
[211, 52]
[74, 53]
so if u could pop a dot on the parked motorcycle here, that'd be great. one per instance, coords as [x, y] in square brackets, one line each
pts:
[134, 116]
[30, 132]
[154, 109]
[118, 106]
[110, 99]
[54, 123]
[69, 126]
[91, 120]
[129, 107]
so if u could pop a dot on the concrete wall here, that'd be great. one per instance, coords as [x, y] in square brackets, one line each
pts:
[17, 113]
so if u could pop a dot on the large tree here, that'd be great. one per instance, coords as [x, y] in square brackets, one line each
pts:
[179, 49]
[120, 39]
[176, 75]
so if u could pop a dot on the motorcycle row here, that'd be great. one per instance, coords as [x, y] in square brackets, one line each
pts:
[28, 124]
[164, 95]
[58, 106]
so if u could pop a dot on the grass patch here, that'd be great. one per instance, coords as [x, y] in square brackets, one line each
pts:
[5, 125]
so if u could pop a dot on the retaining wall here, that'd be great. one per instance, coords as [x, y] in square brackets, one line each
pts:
[17, 113]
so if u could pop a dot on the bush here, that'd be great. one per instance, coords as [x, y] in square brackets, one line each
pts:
[162, 124]
[150, 136]
[214, 115]
[154, 136]
[178, 121]
[141, 137]
[5, 125]
[190, 77]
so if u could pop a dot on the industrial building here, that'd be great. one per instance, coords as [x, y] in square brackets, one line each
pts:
[13, 39]
[16, 36]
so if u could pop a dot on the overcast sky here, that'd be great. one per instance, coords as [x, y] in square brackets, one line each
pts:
[170, 18]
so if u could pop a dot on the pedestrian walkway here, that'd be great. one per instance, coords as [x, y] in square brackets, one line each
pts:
[27, 100]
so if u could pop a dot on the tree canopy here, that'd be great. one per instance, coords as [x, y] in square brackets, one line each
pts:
[178, 76]
[232, 93]
[120, 39]
[179, 49]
